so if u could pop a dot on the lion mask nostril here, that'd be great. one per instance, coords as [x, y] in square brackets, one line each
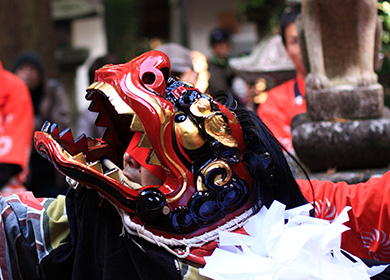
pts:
[148, 78]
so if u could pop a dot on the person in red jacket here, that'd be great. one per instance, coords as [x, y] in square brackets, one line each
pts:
[369, 236]
[288, 99]
[16, 130]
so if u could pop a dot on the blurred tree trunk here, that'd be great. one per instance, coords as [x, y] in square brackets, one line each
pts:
[26, 25]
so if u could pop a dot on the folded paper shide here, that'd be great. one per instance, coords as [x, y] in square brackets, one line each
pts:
[301, 248]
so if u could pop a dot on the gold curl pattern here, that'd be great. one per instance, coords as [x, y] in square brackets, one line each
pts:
[216, 126]
[218, 180]
[201, 107]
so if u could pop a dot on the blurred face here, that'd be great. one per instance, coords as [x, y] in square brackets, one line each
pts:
[30, 75]
[222, 49]
[292, 48]
[137, 173]
[189, 76]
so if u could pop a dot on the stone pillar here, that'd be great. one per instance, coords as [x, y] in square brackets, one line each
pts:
[345, 102]
[345, 126]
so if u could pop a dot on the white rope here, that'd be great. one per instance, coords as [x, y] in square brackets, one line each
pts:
[170, 243]
[71, 182]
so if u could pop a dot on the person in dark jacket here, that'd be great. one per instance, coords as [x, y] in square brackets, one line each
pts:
[50, 102]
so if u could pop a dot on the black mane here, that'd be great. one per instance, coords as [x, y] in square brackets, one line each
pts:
[271, 175]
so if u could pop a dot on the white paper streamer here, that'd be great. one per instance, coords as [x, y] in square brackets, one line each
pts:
[301, 248]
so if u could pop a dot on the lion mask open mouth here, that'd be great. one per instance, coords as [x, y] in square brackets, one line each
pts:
[196, 140]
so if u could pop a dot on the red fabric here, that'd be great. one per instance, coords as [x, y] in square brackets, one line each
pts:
[141, 154]
[16, 124]
[279, 109]
[369, 236]
[27, 198]
[197, 254]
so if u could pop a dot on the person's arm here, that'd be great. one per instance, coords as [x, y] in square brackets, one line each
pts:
[369, 218]
[31, 228]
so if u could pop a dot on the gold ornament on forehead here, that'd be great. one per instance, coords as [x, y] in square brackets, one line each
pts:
[216, 126]
[189, 135]
[201, 107]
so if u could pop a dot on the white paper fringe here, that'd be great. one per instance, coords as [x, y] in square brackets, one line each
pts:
[301, 248]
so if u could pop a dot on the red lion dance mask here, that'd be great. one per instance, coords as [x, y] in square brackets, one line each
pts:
[196, 140]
